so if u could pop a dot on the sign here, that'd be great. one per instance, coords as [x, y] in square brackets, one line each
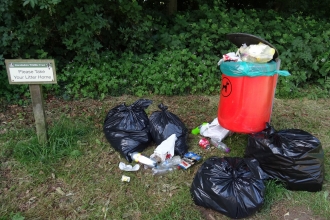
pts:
[31, 71]
[34, 73]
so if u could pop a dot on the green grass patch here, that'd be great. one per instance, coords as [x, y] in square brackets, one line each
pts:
[76, 175]
[65, 139]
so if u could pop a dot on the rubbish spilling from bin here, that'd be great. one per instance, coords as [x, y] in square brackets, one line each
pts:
[248, 84]
[233, 186]
[256, 53]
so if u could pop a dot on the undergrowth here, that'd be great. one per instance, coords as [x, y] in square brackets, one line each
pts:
[128, 50]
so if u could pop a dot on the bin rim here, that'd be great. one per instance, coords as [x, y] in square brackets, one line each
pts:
[240, 38]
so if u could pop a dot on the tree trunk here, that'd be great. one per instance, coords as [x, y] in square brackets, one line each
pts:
[172, 7]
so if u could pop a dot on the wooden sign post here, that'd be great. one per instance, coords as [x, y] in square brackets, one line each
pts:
[35, 73]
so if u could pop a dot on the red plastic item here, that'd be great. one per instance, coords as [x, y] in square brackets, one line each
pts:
[246, 102]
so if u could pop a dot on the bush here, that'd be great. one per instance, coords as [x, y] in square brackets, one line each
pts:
[104, 48]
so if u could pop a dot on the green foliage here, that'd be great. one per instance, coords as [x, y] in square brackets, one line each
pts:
[167, 73]
[130, 47]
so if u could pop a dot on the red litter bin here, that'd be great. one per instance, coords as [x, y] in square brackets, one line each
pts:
[247, 90]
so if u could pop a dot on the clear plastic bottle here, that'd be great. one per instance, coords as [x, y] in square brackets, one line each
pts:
[160, 171]
[167, 166]
[172, 162]
[220, 145]
[138, 157]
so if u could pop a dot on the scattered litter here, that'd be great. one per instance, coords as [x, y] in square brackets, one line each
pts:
[166, 166]
[214, 130]
[256, 53]
[196, 130]
[125, 178]
[220, 145]
[231, 56]
[189, 159]
[129, 167]
[138, 157]
[165, 150]
[204, 143]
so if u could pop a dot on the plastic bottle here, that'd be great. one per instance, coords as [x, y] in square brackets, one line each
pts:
[220, 145]
[138, 157]
[172, 162]
[196, 130]
[160, 171]
[167, 166]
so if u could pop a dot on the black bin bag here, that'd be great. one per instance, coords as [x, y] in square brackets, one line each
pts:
[127, 128]
[163, 124]
[293, 156]
[232, 186]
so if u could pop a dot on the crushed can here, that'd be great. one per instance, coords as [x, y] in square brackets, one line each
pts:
[204, 143]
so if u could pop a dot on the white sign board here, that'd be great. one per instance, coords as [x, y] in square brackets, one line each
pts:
[31, 71]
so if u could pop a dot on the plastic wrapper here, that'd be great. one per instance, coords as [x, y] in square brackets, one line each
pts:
[238, 69]
[292, 156]
[257, 53]
[166, 149]
[163, 124]
[127, 128]
[214, 130]
[232, 186]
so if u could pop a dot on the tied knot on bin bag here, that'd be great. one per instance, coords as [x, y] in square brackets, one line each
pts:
[232, 186]
[292, 156]
[127, 128]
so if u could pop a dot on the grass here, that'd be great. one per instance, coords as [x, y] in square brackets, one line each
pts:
[76, 176]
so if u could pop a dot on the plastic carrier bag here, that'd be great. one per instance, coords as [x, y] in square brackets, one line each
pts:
[232, 186]
[127, 128]
[257, 53]
[292, 156]
[238, 69]
[163, 124]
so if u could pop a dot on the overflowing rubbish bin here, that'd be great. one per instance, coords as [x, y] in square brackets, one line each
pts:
[248, 88]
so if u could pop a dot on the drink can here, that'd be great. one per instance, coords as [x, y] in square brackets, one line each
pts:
[204, 143]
